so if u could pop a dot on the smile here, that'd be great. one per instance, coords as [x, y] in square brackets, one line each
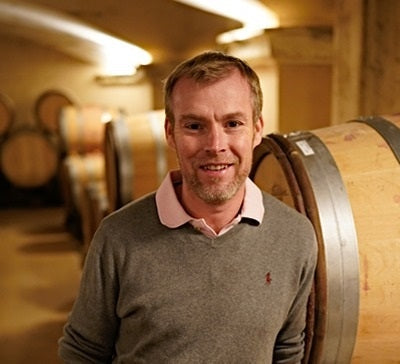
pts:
[215, 167]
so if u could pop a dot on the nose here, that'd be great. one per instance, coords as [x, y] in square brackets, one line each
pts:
[216, 139]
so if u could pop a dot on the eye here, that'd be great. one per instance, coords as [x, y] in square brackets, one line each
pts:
[233, 124]
[193, 125]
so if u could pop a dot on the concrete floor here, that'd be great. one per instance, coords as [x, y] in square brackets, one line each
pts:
[40, 268]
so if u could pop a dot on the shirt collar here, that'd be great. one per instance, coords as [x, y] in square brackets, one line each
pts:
[172, 214]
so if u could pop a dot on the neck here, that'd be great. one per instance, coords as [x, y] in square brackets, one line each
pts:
[216, 215]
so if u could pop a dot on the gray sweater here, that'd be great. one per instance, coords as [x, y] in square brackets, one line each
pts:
[150, 294]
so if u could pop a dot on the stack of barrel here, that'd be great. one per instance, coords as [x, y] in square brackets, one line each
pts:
[7, 116]
[30, 152]
[111, 159]
[346, 179]
[82, 174]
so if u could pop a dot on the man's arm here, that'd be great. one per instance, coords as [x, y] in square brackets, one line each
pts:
[289, 345]
[92, 325]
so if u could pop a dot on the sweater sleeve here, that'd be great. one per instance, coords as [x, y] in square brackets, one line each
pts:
[289, 345]
[90, 331]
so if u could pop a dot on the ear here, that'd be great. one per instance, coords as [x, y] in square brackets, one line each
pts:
[258, 131]
[169, 133]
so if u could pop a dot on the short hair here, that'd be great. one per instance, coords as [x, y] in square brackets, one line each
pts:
[209, 67]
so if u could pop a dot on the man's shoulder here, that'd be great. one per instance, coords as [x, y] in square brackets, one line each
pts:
[279, 212]
[137, 212]
[272, 202]
[286, 225]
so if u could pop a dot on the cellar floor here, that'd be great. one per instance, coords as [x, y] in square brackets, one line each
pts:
[40, 268]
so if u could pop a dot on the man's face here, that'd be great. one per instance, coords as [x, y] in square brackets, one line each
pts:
[214, 136]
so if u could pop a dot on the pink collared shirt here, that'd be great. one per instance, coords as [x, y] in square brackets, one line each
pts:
[172, 214]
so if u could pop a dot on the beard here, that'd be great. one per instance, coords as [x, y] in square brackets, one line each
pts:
[215, 191]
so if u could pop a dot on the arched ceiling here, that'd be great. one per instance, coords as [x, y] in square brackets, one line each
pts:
[167, 29]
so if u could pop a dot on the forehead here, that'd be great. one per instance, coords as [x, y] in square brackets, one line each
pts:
[232, 85]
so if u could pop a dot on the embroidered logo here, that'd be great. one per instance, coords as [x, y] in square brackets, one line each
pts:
[268, 278]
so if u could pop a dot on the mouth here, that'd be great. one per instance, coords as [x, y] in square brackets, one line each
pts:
[215, 167]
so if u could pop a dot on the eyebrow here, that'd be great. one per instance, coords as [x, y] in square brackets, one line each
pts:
[232, 115]
[235, 115]
[185, 117]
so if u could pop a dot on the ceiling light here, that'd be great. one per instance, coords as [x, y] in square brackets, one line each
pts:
[116, 56]
[249, 12]
[238, 35]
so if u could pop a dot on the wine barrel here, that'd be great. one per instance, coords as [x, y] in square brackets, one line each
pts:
[77, 171]
[29, 158]
[82, 128]
[7, 114]
[94, 207]
[346, 179]
[137, 156]
[47, 109]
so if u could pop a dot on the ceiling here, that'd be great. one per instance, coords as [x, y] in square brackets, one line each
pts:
[167, 29]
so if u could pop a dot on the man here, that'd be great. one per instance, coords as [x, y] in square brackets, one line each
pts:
[208, 269]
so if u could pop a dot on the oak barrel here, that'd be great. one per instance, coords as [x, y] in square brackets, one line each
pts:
[82, 127]
[48, 107]
[137, 156]
[346, 178]
[94, 207]
[7, 114]
[29, 158]
[77, 171]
